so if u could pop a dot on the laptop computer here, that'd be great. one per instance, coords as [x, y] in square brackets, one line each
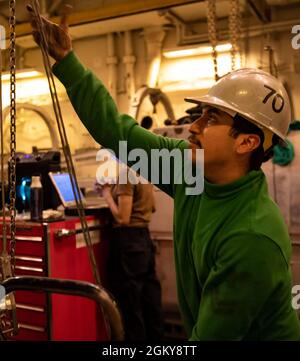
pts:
[63, 186]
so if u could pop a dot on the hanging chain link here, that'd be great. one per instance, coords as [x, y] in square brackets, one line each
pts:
[12, 208]
[234, 31]
[8, 316]
[212, 32]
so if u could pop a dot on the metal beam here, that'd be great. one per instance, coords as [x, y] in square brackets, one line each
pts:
[260, 10]
[110, 11]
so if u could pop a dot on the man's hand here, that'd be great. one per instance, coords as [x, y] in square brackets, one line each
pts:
[58, 40]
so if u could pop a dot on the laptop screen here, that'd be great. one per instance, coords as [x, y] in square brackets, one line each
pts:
[62, 183]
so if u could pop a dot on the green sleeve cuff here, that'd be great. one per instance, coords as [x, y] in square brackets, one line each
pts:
[69, 70]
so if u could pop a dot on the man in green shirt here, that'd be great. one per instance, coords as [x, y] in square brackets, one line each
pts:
[232, 249]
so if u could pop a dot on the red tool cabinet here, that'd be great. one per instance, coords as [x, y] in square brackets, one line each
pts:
[41, 250]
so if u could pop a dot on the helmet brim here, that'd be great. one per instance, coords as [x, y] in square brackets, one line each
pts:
[231, 110]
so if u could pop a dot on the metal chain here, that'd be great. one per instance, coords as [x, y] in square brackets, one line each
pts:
[234, 30]
[12, 207]
[4, 229]
[212, 32]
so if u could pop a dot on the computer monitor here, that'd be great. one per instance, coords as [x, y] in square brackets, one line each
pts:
[36, 164]
[62, 184]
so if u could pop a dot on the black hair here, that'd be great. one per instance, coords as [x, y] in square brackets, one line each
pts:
[243, 126]
[147, 122]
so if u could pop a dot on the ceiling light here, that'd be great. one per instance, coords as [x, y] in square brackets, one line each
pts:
[23, 74]
[201, 50]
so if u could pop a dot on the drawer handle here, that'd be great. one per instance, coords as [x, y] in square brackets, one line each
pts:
[32, 269]
[30, 259]
[30, 308]
[31, 328]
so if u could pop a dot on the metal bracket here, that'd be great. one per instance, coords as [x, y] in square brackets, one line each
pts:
[155, 95]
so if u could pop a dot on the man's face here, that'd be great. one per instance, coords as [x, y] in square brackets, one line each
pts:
[211, 132]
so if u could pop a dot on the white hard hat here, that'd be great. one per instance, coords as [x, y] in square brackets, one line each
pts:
[254, 94]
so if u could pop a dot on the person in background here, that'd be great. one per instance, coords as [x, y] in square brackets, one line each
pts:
[133, 279]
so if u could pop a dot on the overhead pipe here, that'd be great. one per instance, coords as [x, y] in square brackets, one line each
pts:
[185, 38]
[109, 11]
[154, 37]
[129, 60]
[112, 63]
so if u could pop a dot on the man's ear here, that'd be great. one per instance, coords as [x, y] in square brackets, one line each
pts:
[247, 143]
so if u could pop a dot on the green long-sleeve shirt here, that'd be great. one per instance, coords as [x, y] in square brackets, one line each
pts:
[232, 249]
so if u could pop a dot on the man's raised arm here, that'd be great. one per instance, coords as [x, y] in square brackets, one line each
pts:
[92, 102]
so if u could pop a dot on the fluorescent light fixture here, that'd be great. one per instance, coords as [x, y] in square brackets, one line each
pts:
[190, 85]
[193, 73]
[201, 50]
[32, 87]
[23, 74]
